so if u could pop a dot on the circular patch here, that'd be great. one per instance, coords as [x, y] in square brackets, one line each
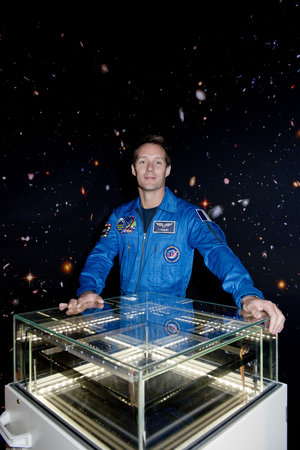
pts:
[172, 327]
[126, 224]
[172, 254]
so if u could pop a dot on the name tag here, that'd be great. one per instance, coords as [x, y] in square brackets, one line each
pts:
[164, 226]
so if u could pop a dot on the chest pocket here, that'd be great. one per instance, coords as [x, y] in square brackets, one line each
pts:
[168, 259]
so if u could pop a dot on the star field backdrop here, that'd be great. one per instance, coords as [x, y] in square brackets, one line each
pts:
[76, 93]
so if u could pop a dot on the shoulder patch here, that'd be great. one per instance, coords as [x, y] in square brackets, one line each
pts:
[106, 230]
[202, 215]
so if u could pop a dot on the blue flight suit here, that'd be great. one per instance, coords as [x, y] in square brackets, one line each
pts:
[160, 259]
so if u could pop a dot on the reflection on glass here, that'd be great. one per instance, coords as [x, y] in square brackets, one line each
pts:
[146, 371]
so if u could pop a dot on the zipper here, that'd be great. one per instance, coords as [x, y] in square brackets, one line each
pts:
[143, 248]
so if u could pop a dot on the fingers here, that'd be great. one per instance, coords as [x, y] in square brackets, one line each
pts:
[277, 319]
[75, 306]
[258, 307]
[86, 301]
[63, 306]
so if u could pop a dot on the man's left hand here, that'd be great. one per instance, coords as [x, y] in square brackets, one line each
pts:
[257, 307]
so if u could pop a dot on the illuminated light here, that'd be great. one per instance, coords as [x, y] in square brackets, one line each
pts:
[82, 190]
[293, 86]
[226, 181]
[296, 183]
[192, 181]
[281, 284]
[29, 277]
[36, 93]
[47, 172]
[30, 176]
[67, 267]
[91, 217]
[298, 133]
[96, 163]
[205, 203]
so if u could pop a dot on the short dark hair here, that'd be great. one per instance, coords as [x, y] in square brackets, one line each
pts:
[152, 139]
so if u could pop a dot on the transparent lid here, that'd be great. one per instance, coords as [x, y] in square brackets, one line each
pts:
[172, 326]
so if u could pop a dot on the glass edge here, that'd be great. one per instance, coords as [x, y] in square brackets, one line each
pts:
[198, 346]
[73, 341]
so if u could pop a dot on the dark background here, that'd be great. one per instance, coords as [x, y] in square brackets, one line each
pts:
[78, 89]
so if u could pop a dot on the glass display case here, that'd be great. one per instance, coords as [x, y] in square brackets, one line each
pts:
[145, 371]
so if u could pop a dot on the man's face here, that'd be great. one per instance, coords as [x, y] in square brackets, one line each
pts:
[150, 168]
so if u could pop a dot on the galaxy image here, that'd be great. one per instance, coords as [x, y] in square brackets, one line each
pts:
[77, 91]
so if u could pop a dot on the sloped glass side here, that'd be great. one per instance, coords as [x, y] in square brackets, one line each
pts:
[146, 371]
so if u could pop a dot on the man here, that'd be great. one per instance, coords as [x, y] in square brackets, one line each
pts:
[155, 237]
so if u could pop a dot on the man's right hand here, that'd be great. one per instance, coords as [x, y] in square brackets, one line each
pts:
[85, 301]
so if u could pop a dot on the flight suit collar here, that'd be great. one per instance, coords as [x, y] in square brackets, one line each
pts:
[168, 203]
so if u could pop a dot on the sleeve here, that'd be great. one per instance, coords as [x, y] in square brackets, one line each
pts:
[101, 259]
[208, 238]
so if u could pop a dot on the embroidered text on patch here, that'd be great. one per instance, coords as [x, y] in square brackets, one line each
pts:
[126, 224]
[164, 226]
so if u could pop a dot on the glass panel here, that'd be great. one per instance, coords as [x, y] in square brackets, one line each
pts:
[147, 370]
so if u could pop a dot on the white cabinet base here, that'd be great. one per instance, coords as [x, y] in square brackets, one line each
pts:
[262, 426]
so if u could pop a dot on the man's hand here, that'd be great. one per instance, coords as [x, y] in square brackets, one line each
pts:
[256, 307]
[85, 301]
